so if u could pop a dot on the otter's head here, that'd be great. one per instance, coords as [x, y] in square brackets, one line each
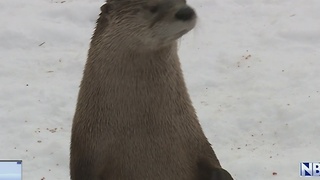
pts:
[148, 23]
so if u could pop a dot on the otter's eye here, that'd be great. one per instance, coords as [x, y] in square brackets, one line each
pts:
[154, 9]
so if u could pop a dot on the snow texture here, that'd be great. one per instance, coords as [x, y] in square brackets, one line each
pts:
[252, 68]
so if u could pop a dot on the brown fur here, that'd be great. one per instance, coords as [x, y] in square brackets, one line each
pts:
[134, 119]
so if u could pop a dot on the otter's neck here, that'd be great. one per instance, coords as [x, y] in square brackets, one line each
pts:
[133, 81]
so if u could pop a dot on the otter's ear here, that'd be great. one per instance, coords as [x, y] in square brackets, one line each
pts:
[105, 8]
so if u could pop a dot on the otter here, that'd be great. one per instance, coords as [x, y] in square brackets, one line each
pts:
[134, 119]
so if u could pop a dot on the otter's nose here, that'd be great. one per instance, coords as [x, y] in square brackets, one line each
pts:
[185, 13]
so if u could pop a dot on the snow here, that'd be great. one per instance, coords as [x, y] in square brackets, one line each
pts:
[252, 69]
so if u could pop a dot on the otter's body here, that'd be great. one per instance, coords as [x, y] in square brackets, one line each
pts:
[134, 119]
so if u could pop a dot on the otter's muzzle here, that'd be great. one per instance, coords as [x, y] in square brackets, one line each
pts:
[184, 14]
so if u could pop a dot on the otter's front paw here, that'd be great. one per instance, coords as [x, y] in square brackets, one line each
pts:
[220, 174]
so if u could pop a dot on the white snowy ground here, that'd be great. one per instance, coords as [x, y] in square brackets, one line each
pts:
[252, 69]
